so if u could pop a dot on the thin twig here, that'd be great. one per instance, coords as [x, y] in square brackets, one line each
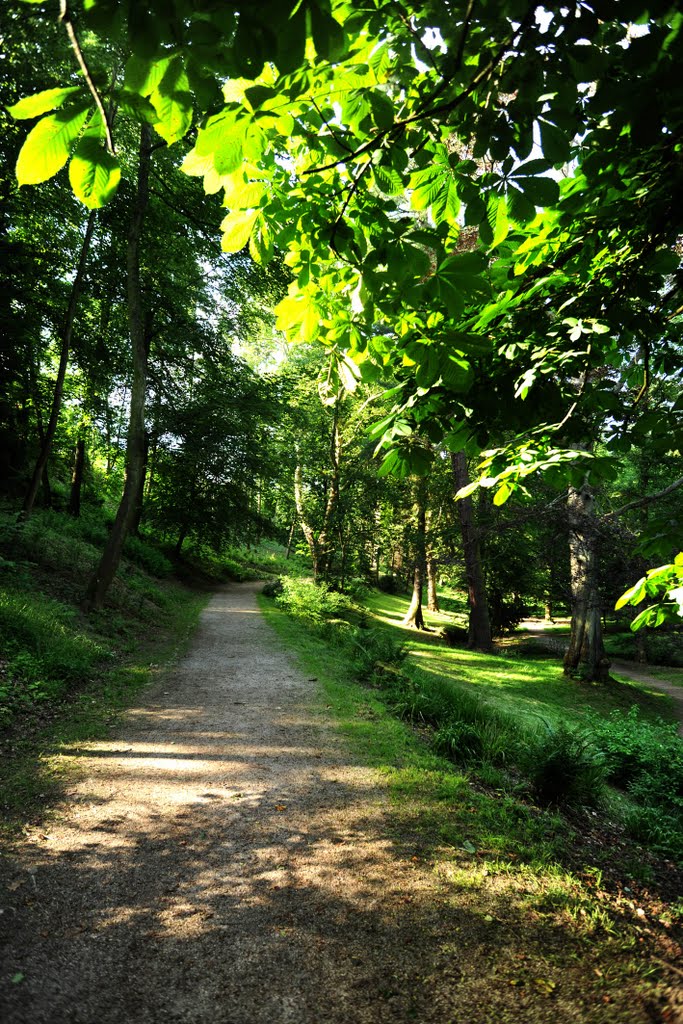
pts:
[65, 18]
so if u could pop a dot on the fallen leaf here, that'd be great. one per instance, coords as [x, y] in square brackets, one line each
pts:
[16, 978]
[280, 807]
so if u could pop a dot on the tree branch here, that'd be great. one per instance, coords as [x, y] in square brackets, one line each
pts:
[646, 500]
[65, 18]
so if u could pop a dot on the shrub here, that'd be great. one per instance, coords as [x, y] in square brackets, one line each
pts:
[305, 599]
[388, 585]
[357, 588]
[273, 588]
[44, 648]
[371, 649]
[565, 766]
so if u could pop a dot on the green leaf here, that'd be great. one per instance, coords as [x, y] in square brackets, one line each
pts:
[48, 145]
[554, 143]
[41, 102]
[634, 595]
[502, 494]
[19, 976]
[328, 35]
[497, 213]
[93, 172]
[540, 191]
[144, 74]
[236, 228]
[172, 101]
[387, 180]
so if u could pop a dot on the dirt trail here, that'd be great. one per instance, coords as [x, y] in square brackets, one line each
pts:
[220, 861]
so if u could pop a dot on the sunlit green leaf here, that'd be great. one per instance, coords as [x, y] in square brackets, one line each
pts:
[41, 102]
[48, 145]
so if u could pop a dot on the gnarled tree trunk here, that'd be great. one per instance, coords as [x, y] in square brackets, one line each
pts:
[479, 627]
[585, 657]
[136, 441]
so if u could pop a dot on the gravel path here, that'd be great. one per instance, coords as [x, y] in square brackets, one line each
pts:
[220, 861]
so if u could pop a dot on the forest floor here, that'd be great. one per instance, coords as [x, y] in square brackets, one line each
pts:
[224, 858]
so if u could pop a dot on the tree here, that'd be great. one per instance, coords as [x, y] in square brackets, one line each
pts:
[337, 121]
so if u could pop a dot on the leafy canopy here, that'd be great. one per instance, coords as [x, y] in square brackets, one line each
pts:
[475, 199]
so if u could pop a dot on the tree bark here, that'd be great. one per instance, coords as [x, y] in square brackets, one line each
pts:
[432, 596]
[67, 332]
[585, 657]
[135, 448]
[77, 478]
[479, 626]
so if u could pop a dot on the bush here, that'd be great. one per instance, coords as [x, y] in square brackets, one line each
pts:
[388, 585]
[357, 588]
[273, 588]
[371, 649]
[314, 602]
[565, 766]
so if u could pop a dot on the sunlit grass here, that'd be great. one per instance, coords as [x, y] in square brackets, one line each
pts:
[528, 688]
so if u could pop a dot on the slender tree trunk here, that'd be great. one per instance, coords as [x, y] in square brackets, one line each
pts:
[319, 546]
[138, 501]
[135, 449]
[35, 398]
[77, 477]
[479, 628]
[414, 616]
[432, 596]
[305, 525]
[290, 539]
[585, 657]
[67, 332]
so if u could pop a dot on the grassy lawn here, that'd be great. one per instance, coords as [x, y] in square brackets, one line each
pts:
[521, 686]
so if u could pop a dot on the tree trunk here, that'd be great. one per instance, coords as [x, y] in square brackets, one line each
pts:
[585, 657]
[290, 538]
[67, 332]
[432, 597]
[135, 449]
[77, 478]
[479, 627]
[305, 526]
[414, 616]
[140, 496]
[319, 546]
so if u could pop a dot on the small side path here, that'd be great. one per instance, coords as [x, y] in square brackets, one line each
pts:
[639, 674]
[220, 861]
